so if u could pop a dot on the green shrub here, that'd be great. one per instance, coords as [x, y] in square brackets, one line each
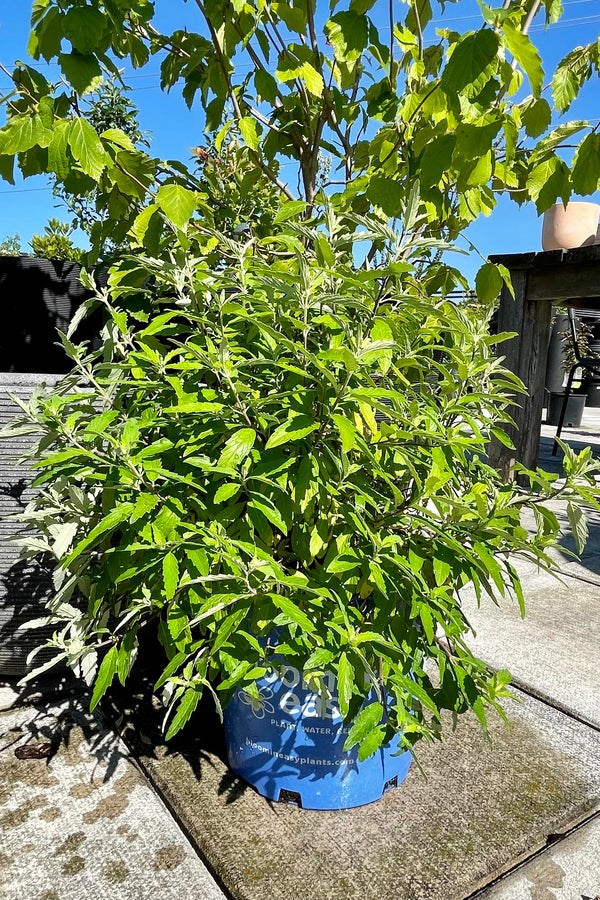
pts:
[290, 442]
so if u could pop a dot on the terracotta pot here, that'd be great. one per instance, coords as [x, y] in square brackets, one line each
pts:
[573, 226]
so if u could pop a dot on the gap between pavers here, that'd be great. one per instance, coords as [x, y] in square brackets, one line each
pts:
[482, 810]
[567, 870]
[84, 823]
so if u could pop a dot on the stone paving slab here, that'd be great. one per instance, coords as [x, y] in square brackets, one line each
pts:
[555, 650]
[568, 870]
[84, 824]
[481, 810]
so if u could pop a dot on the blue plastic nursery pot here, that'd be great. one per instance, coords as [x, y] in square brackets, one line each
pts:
[288, 744]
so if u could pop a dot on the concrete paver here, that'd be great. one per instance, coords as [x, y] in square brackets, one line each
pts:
[555, 650]
[85, 824]
[481, 809]
[568, 870]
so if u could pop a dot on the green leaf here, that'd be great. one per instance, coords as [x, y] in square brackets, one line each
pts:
[471, 64]
[266, 86]
[104, 678]
[536, 117]
[289, 210]
[367, 719]
[436, 159]
[269, 511]
[347, 432]
[345, 684]
[86, 147]
[227, 626]
[579, 526]
[348, 34]
[82, 71]
[585, 174]
[198, 559]
[170, 575]
[371, 743]
[548, 181]
[488, 282]
[177, 203]
[58, 159]
[293, 612]
[119, 138]
[186, 708]
[115, 517]
[7, 164]
[23, 132]
[84, 27]
[565, 87]
[387, 194]
[237, 448]
[294, 429]
[526, 55]
[249, 130]
[143, 505]
[142, 222]
[226, 491]
[312, 79]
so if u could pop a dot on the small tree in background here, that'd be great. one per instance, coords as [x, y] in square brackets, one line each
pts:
[11, 246]
[55, 242]
[109, 109]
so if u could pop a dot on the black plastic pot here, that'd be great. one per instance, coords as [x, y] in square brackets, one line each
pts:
[574, 411]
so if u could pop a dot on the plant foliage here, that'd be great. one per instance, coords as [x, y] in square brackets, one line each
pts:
[281, 445]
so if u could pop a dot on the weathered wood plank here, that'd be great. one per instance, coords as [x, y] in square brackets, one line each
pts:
[525, 355]
[558, 284]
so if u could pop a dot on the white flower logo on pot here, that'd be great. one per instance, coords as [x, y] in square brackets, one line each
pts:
[259, 705]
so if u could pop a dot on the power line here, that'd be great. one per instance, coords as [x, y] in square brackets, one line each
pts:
[26, 190]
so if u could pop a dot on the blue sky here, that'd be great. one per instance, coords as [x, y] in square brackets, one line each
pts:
[26, 207]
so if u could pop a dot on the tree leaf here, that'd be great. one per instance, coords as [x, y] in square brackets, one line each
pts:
[565, 85]
[115, 517]
[312, 79]
[237, 448]
[367, 719]
[177, 203]
[345, 683]
[387, 194]
[170, 575]
[488, 282]
[269, 511]
[579, 526]
[526, 55]
[536, 117]
[548, 181]
[293, 612]
[294, 429]
[586, 165]
[7, 164]
[104, 678]
[371, 743]
[84, 27]
[186, 708]
[347, 432]
[348, 34]
[23, 132]
[86, 147]
[289, 210]
[226, 491]
[249, 130]
[471, 63]
[82, 71]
